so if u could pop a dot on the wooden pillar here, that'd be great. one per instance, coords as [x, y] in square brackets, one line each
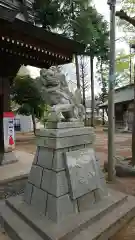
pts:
[4, 107]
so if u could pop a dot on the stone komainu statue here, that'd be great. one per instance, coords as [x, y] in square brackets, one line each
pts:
[55, 92]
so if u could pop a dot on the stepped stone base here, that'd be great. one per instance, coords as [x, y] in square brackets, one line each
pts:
[66, 196]
[102, 221]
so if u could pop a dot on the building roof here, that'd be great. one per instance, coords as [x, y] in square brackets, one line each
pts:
[121, 95]
[24, 43]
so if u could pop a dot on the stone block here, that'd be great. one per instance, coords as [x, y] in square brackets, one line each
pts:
[36, 156]
[101, 193]
[68, 132]
[82, 174]
[58, 160]
[35, 176]
[90, 145]
[103, 188]
[45, 157]
[28, 193]
[46, 180]
[74, 148]
[61, 125]
[98, 169]
[98, 195]
[65, 142]
[59, 208]
[85, 202]
[61, 133]
[55, 183]
[39, 200]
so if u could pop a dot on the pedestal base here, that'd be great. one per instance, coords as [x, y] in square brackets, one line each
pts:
[102, 221]
[66, 196]
[65, 177]
[9, 158]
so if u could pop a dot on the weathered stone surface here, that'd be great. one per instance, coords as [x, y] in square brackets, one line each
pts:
[99, 171]
[59, 208]
[28, 193]
[45, 157]
[85, 202]
[58, 160]
[61, 125]
[39, 200]
[69, 132]
[64, 142]
[117, 208]
[103, 188]
[55, 183]
[36, 175]
[55, 92]
[89, 145]
[98, 194]
[9, 158]
[81, 167]
[46, 180]
[36, 156]
[74, 148]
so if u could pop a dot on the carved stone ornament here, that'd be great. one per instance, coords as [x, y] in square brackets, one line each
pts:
[65, 106]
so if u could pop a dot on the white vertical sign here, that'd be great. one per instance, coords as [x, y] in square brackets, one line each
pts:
[9, 134]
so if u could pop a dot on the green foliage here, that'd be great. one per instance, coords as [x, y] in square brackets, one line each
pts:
[48, 13]
[126, 20]
[45, 116]
[123, 62]
[122, 74]
[27, 97]
[76, 19]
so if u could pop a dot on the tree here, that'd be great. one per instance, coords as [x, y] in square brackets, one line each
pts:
[97, 47]
[92, 30]
[27, 97]
[124, 68]
[48, 13]
[84, 77]
[80, 21]
[103, 76]
[126, 15]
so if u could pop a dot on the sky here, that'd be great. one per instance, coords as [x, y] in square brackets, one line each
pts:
[103, 8]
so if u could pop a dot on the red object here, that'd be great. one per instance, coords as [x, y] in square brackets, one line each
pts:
[8, 115]
[11, 141]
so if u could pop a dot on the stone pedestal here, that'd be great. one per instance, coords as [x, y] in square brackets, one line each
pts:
[66, 196]
[52, 187]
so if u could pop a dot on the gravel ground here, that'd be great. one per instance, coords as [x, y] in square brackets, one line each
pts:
[12, 188]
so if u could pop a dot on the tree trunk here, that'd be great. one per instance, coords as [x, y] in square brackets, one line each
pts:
[77, 72]
[83, 91]
[76, 58]
[133, 127]
[34, 123]
[103, 117]
[92, 92]
[101, 70]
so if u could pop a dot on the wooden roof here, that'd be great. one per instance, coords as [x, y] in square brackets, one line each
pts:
[31, 45]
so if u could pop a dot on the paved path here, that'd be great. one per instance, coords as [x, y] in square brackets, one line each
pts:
[16, 170]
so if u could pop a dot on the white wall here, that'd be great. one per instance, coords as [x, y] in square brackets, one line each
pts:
[27, 124]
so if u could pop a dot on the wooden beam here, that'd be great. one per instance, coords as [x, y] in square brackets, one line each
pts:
[1, 121]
